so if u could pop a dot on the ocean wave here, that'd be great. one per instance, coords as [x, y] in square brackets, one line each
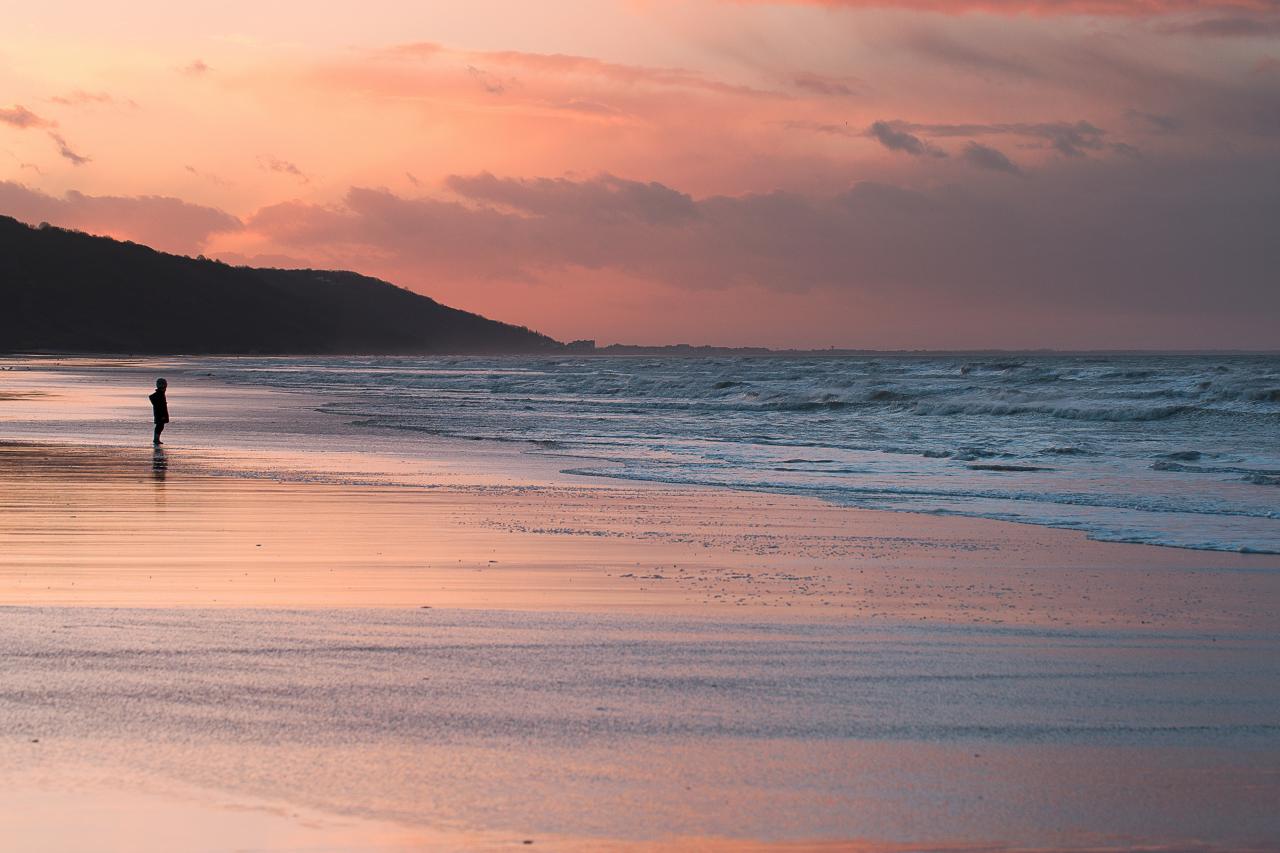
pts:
[1212, 469]
[1101, 422]
[1103, 517]
[990, 367]
[1066, 411]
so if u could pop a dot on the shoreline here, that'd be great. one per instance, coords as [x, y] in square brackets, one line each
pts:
[304, 639]
[531, 464]
[132, 527]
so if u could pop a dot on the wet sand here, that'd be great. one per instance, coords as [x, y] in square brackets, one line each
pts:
[576, 730]
[134, 527]
[305, 644]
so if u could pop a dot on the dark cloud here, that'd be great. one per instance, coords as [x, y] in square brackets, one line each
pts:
[20, 117]
[896, 139]
[284, 167]
[1087, 235]
[166, 223]
[1068, 139]
[64, 150]
[1154, 121]
[985, 157]
[196, 68]
[1071, 139]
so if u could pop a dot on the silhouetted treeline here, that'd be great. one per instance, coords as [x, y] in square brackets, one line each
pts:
[65, 291]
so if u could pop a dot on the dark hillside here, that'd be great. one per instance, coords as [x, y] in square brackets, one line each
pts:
[66, 291]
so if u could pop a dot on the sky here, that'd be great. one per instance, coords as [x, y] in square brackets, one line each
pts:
[893, 174]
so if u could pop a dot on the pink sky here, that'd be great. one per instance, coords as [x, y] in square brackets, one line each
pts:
[984, 173]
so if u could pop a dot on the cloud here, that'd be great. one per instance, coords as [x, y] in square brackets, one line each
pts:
[1173, 245]
[1071, 139]
[984, 157]
[1079, 236]
[570, 65]
[586, 107]
[1154, 121]
[196, 68]
[983, 60]
[606, 197]
[830, 87]
[899, 140]
[821, 127]
[487, 81]
[209, 176]
[65, 151]
[20, 117]
[284, 167]
[1238, 26]
[80, 97]
[1046, 8]
[23, 119]
[166, 223]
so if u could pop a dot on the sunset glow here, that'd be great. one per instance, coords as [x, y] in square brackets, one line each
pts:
[859, 174]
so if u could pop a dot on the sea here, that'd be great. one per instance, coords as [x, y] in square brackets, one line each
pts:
[1170, 450]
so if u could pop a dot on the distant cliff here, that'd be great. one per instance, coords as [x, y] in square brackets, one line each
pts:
[66, 291]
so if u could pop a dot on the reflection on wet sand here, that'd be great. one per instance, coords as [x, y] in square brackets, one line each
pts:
[563, 727]
[84, 526]
[159, 464]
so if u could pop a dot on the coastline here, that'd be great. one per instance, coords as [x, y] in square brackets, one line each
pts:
[331, 645]
[110, 526]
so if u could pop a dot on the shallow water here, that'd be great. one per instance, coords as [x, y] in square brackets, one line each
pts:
[1170, 450]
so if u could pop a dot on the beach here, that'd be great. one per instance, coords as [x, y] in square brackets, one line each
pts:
[314, 633]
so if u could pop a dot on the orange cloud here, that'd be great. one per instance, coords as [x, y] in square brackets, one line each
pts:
[163, 222]
[566, 65]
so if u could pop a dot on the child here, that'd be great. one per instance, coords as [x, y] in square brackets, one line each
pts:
[161, 408]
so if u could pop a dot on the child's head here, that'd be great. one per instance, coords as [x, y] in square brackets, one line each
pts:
[161, 384]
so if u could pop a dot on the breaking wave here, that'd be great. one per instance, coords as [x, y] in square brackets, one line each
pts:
[1092, 442]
